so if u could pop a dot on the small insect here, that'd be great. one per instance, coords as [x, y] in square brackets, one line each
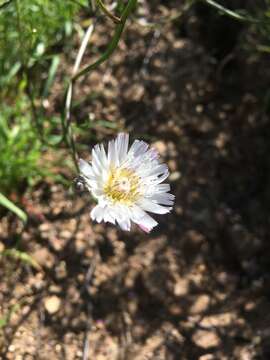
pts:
[79, 184]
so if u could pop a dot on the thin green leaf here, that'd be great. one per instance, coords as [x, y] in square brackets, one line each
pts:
[4, 201]
[6, 318]
[22, 256]
[51, 75]
[233, 14]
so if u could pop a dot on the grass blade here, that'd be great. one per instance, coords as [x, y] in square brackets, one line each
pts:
[4, 201]
[51, 75]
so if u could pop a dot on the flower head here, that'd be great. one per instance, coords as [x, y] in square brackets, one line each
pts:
[127, 183]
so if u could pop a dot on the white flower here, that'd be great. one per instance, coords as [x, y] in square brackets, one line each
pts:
[127, 183]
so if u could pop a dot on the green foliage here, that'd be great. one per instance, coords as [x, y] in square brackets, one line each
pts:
[20, 148]
[28, 28]
[30, 34]
[263, 29]
[22, 256]
[256, 14]
[4, 201]
[4, 320]
[33, 34]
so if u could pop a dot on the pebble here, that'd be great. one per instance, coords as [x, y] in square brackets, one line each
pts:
[200, 305]
[207, 357]
[161, 147]
[176, 175]
[206, 339]
[43, 257]
[52, 304]
[2, 247]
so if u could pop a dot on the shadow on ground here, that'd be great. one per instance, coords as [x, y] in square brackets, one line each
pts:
[197, 286]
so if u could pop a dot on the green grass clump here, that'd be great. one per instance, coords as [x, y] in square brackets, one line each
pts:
[32, 34]
[20, 147]
[28, 28]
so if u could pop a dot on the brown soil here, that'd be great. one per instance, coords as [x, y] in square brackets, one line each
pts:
[197, 287]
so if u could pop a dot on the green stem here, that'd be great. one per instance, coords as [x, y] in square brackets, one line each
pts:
[68, 137]
[231, 13]
[107, 12]
[113, 44]
[6, 3]
[66, 118]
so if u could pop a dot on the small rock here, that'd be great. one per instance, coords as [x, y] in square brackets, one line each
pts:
[172, 165]
[179, 44]
[161, 147]
[61, 270]
[195, 237]
[176, 175]
[58, 244]
[219, 320]
[55, 289]
[65, 234]
[181, 287]
[11, 348]
[2, 246]
[249, 306]
[200, 305]
[44, 227]
[43, 257]
[206, 339]
[134, 92]
[52, 304]
[207, 357]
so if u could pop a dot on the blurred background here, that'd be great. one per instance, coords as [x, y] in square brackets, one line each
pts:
[192, 79]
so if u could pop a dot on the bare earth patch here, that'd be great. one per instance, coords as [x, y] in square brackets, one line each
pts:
[196, 287]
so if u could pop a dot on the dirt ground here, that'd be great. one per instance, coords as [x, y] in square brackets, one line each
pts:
[197, 287]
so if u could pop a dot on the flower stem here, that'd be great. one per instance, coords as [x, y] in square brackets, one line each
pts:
[107, 12]
[113, 44]
[66, 117]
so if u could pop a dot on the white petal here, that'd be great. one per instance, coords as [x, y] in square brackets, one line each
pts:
[122, 216]
[153, 154]
[124, 224]
[121, 212]
[161, 188]
[160, 169]
[159, 179]
[122, 146]
[97, 213]
[96, 192]
[153, 170]
[96, 162]
[85, 168]
[92, 183]
[153, 189]
[150, 206]
[147, 223]
[136, 213]
[108, 216]
[112, 154]
[138, 148]
[141, 218]
[101, 156]
[163, 198]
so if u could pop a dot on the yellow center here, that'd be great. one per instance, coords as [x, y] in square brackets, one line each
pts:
[122, 186]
